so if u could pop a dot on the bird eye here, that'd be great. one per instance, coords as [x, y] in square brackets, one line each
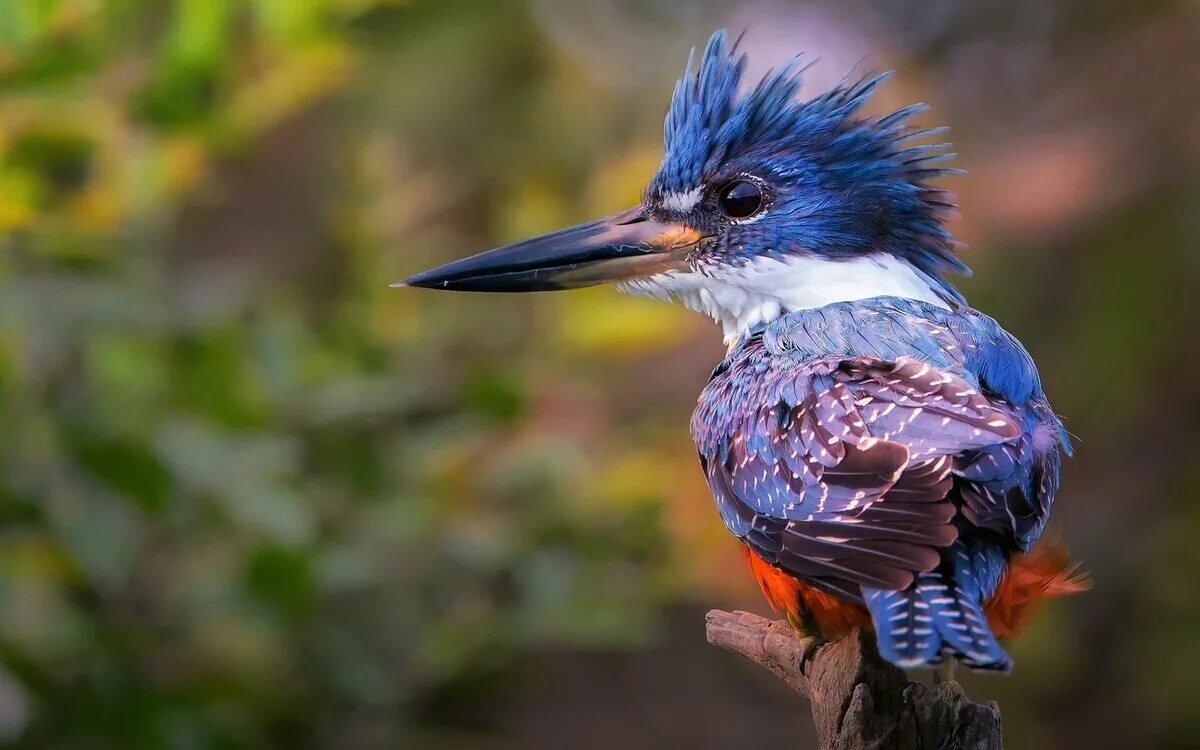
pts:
[740, 199]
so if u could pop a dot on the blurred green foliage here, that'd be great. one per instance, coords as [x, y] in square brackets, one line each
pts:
[252, 497]
[236, 514]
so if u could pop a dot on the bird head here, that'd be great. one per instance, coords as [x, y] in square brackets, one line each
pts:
[763, 204]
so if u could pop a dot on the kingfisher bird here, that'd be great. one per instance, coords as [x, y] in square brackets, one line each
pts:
[884, 452]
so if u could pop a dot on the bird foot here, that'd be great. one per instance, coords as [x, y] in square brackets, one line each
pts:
[944, 671]
[810, 638]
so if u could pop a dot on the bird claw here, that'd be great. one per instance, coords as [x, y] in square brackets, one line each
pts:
[812, 643]
[810, 639]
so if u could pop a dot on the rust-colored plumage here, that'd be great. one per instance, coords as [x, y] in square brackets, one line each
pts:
[1043, 573]
[834, 617]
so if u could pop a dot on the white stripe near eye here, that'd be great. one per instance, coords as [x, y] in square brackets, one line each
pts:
[681, 201]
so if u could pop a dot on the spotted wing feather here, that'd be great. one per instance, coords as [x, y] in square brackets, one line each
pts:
[843, 471]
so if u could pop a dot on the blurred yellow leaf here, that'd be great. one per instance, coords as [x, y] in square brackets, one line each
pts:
[294, 81]
[601, 321]
[183, 162]
[631, 477]
[535, 208]
[618, 181]
[18, 195]
[32, 556]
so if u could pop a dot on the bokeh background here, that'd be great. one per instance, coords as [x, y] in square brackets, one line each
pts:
[251, 497]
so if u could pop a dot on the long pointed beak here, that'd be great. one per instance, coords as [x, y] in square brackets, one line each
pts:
[622, 246]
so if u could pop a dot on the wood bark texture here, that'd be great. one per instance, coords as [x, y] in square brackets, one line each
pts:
[859, 701]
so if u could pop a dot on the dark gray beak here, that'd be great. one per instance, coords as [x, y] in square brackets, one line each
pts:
[623, 246]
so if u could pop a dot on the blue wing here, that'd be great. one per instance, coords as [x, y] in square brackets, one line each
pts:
[843, 471]
[902, 481]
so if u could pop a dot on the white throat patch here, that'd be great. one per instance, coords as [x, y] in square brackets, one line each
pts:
[766, 288]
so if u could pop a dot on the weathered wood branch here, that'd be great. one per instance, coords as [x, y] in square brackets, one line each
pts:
[859, 701]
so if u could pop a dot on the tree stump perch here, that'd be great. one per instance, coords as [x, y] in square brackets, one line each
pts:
[859, 701]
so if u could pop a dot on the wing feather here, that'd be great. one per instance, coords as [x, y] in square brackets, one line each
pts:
[845, 472]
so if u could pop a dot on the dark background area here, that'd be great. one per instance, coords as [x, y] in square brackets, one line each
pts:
[252, 497]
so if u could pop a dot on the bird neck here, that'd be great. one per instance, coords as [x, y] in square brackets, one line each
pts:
[764, 289]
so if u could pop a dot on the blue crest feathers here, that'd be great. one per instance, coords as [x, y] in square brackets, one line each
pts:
[868, 174]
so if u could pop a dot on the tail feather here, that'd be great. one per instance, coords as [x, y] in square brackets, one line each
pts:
[903, 628]
[941, 612]
[969, 601]
[955, 598]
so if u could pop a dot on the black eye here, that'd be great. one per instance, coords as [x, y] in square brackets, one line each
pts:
[740, 199]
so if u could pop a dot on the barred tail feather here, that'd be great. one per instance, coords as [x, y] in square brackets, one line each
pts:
[942, 612]
[958, 617]
[904, 629]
